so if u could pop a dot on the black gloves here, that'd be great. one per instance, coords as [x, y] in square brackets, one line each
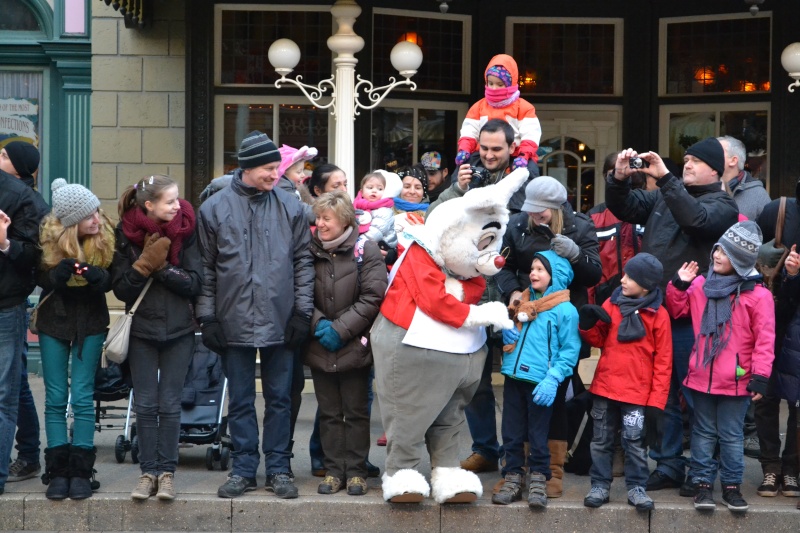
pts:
[213, 336]
[298, 331]
[653, 420]
[679, 284]
[758, 384]
[590, 314]
[92, 274]
[61, 273]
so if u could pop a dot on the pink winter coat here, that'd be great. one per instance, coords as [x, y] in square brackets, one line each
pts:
[751, 345]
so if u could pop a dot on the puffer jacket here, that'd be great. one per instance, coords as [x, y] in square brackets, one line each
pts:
[382, 226]
[257, 266]
[551, 339]
[787, 362]
[636, 372]
[166, 311]
[681, 223]
[751, 343]
[348, 291]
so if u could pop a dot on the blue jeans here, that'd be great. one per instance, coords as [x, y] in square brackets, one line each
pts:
[523, 421]
[60, 381]
[607, 416]
[276, 384]
[720, 419]
[670, 459]
[480, 413]
[12, 327]
[28, 442]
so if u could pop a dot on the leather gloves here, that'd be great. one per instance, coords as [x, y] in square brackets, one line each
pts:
[510, 336]
[520, 162]
[61, 273]
[545, 392]
[653, 421]
[461, 157]
[590, 314]
[327, 336]
[565, 247]
[297, 331]
[92, 274]
[154, 255]
[768, 255]
[213, 336]
[758, 384]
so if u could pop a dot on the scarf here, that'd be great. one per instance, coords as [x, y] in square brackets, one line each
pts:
[403, 205]
[95, 257]
[361, 203]
[335, 243]
[502, 97]
[136, 226]
[533, 307]
[716, 324]
[632, 328]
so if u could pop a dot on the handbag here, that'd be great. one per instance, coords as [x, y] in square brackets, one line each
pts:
[35, 315]
[771, 274]
[115, 347]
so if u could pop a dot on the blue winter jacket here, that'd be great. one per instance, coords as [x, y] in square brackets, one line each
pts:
[552, 339]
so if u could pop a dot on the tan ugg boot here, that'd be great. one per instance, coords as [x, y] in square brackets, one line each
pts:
[558, 452]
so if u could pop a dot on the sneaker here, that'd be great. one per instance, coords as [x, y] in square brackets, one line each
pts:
[769, 487]
[658, 480]
[703, 500]
[281, 485]
[752, 447]
[145, 488]
[510, 491]
[235, 486]
[330, 485]
[537, 491]
[166, 486]
[21, 470]
[356, 486]
[687, 490]
[478, 463]
[732, 497]
[597, 496]
[639, 499]
[789, 486]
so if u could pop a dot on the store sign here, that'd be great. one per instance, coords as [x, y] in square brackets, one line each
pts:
[19, 120]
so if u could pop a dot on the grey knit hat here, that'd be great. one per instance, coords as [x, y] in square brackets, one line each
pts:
[645, 270]
[72, 202]
[257, 149]
[741, 243]
[543, 193]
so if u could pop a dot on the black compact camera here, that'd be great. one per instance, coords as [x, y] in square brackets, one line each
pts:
[638, 163]
[480, 177]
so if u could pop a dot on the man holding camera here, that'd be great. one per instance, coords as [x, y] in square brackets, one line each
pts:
[489, 165]
[682, 219]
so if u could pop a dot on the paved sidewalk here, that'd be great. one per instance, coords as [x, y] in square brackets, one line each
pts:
[197, 507]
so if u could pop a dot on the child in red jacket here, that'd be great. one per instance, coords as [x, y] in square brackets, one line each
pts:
[733, 317]
[632, 378]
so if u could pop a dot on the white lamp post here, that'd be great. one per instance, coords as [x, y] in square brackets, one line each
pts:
[406, 57]
[790, 59]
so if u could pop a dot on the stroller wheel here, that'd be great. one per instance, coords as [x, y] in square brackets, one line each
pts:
[210, 458]
[119, 449]
[135, 450]
[225, 458]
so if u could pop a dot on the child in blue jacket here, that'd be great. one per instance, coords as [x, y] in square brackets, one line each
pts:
[546, 350]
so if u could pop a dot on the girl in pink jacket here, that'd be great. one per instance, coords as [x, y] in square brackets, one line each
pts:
[733, 316]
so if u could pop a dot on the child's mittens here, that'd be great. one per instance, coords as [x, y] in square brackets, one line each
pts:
[758, 384]
[510, 336]
[520, 162]
[461, 157]
[545, 392]
[590, 314]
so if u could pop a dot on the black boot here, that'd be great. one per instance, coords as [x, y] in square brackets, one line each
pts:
[56, 472]
[81, 472]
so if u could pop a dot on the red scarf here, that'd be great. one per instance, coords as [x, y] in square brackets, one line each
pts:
[136, 226]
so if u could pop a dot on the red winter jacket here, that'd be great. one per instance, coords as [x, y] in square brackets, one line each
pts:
[635, 372]
[619, 241]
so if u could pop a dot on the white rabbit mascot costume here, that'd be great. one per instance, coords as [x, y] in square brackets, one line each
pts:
[429, 341]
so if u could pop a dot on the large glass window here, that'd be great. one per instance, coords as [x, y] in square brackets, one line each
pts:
[20, 107]
[572, 162]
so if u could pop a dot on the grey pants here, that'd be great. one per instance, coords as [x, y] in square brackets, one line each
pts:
[422, 395]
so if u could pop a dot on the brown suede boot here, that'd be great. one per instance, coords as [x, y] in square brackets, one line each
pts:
[558, 452]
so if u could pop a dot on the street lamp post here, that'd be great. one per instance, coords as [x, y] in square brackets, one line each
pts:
[406, 57]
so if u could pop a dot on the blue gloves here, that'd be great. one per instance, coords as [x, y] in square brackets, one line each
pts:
[520, 162]
[510, 336]
[545, 392]
[461, 157]
[327, 336]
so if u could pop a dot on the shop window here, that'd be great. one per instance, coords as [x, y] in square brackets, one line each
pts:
[571, 162]
[16, 16]
[20, 107]
[719, 54]
[562, 56]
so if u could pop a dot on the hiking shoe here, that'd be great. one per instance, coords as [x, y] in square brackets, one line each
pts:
[639, 499]
[597, 496]
[356, 486]
[281, 484]
[478, 463]
[372, 470]
[618, 462]
[732, 497]
[20, 470]
[752, 447]
[510, 491]
[658, 480]
[789, 486]
[330, 485]
[235, 486]
[703, 500]
[769, 487]
[537, 491]
[166, 486]
[688, 489]
[145, 488]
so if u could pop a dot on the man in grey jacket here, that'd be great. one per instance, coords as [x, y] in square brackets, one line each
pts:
[258, 291]
[748, 192]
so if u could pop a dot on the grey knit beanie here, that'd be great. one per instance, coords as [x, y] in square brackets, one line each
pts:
[644, 269]
[543, 193]
[257, 149]
[72, 202]
[741, 243]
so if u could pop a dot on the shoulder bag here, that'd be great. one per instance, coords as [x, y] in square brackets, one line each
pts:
[35, 315]
[115, 348]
